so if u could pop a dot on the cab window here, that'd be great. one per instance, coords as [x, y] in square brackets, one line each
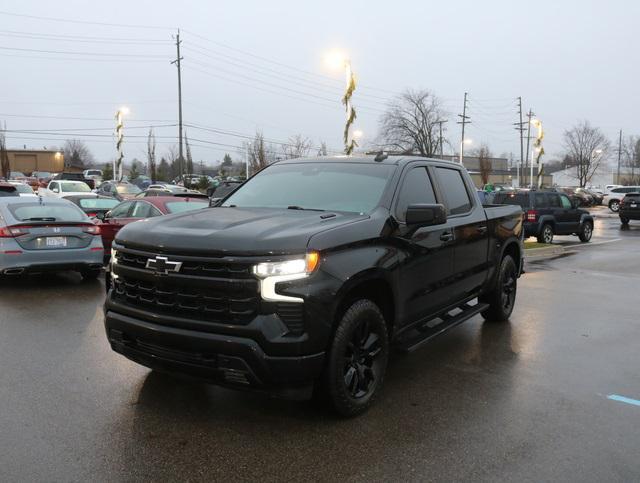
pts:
[416, 189]
[454, 191]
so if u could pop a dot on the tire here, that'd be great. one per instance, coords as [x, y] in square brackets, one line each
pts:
[586, 232]
[624, 220]
[502, 297]
[357, 360]
[546, 234]
[90, 274]
[614, 205]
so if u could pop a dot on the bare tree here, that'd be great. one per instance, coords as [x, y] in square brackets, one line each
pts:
[151, 155]
[298, 146]
[631, 157]
[484, 158]
[5, 166]
[322, 149]
[410, 123]
[260, 154]
[587, 146]
[77, 154]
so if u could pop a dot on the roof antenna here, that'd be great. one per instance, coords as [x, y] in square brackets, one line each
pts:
[381, 156]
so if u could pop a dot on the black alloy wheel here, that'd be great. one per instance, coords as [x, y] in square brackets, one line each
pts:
[362, 368]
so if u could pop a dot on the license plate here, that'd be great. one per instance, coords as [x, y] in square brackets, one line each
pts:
[634, 205]
[56, 241]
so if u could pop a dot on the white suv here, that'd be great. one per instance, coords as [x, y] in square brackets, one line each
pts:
[614, 196]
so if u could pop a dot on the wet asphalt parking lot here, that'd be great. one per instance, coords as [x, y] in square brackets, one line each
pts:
[524, 401]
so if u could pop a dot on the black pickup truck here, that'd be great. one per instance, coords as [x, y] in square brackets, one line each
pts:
[306, 276]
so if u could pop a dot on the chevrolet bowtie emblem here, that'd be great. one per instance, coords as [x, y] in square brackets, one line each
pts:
[162, 265]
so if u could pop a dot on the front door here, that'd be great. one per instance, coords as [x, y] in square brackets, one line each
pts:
[425, 272]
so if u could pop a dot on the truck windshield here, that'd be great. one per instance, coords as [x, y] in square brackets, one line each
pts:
[350, 187]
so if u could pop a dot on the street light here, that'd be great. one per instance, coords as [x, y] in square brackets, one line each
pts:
[337, 59]
[117, 163]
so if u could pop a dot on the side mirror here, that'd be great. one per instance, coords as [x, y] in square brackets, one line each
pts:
[214, 202]
[100, 216]
[425, 215]
[55, 190]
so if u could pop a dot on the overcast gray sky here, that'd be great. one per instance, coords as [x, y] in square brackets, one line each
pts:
[259, 65]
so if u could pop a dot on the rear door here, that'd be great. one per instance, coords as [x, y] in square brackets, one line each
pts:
[569, 216]
[426, 271]
[467, 222]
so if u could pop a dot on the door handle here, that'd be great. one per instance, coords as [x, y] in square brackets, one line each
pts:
[446, 236]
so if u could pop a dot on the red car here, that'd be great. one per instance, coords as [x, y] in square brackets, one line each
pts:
[140, 208]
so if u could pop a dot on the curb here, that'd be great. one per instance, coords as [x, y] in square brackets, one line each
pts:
[543, 253]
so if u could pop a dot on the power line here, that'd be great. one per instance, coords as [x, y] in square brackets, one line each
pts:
[79, 59]
[70, 52]
[241, 63]
[281, 64]
[81, 38]
[85, 22]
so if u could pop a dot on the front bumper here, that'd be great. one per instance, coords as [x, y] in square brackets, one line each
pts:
[228, 360]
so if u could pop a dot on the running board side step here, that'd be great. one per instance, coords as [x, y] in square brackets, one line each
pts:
[424, 333]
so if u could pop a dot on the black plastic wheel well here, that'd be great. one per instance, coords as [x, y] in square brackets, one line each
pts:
[378, 291]
[513, 250]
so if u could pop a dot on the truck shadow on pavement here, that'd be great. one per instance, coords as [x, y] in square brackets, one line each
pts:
[445, 386]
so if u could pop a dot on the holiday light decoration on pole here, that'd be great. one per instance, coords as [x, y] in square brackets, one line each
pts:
[336, 59]
[117, 163]
[538, 152]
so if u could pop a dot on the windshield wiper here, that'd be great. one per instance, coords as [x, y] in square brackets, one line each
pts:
[42, 218]
[295, 207]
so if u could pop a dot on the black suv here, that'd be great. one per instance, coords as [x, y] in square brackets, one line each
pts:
[629, 208]
[548, 213]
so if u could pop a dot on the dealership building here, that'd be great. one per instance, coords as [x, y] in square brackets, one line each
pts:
[30, 160]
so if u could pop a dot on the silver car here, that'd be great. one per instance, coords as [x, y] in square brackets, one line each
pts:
[47, 234]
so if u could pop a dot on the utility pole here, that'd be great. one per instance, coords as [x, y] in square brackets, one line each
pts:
[619, 157]
[530, 114]
[177, 63]
[519, 127]
[439, 123]
[464, 121]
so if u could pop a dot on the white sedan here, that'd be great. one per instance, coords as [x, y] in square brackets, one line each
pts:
[64, 188]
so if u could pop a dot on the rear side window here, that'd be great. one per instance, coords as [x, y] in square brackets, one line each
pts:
[454, 190]
[46, 212]
[416, 189]
[554, 200]
[517, 199]
[182, 206]
[566, 203]
[540, 200]
[142, 209]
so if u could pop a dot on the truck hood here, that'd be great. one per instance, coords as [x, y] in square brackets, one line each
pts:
[232, 231]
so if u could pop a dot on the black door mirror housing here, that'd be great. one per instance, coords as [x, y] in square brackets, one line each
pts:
[425, 215]
[100, 215]
[214, 202]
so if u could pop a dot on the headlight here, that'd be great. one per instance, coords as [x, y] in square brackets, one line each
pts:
[272, 273]
[301, 266]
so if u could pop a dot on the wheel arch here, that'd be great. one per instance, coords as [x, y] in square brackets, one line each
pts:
[371, 285]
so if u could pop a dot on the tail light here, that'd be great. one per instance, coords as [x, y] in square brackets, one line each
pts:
[532, 215]
[91, 229]
[91, 215]
[13, 231]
